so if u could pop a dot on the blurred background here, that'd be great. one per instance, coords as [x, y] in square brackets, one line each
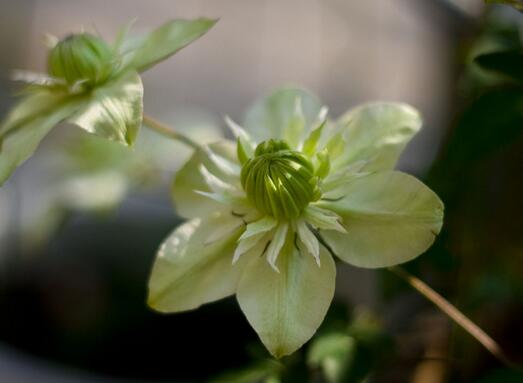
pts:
[81, 222]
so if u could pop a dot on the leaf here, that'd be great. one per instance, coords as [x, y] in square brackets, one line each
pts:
[508, 63]
[114, 111]
[276, 116]
[266, 371]
[20, 143]
[490, 124]
[166, 41]
[390, 218]
[286, 308]
[334, 354]
[189, 272]
[518, 4]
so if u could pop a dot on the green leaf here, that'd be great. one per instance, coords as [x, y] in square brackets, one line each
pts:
[518, 4]
[277, 117]
[509, 63]
[374, 133]
[193, 268]
[286, 308]
[114, 111]
[505, 375]
[166, 41]
[333, 353]
[20, 143]
[266, 371]
[188, 179]
[390, 218]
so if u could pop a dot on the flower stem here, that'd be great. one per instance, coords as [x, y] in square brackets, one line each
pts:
[453, 313]
[166, 131]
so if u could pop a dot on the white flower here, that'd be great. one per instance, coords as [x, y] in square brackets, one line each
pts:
[268, 213]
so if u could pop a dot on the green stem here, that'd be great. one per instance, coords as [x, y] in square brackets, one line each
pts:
[166, 131]
[453, 313]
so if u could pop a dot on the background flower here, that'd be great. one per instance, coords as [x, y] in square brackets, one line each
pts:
[91, 85]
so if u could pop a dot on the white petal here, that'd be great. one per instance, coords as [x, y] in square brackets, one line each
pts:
[322, 114]
[223, 230]
[223, 198]
[271, 116]
[375, 132]
[190, 204]
[188, 273]
[260, 226]
[390, 217]
[286, 308]
[323, 219]
[277, 242]
[216, 184]
[309, 240]
[255, 244]
[237, 130]
[253, 234]
[227, 167]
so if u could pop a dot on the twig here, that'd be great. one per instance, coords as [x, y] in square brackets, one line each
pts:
[457, 316]
[164, 130]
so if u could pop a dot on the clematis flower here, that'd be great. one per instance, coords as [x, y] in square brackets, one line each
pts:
[90, 84]
[268, 214]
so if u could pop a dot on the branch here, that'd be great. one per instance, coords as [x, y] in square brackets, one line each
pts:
[457, 316]
[166, 131]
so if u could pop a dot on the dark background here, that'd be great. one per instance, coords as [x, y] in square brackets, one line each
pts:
[72, 306]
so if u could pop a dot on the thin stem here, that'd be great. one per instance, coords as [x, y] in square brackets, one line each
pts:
[166, 131]
[453, 313]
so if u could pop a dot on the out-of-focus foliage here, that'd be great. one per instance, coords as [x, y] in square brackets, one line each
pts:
[350, 356]
[518, 4]
[343, 351]
[477, 260]
[93, 175]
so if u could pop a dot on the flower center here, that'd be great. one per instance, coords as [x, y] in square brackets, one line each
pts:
[81, 57]
[279, 181]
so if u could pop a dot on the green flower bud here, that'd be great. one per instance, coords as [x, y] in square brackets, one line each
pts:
[81, 57]
[279, 181]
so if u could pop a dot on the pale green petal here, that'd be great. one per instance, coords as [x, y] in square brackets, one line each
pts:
[276, 245]
[114, 111]
[286, 308]
[375, 133]
[38, 82]
[166, 41]
[19, 143]
[276, 116]
[35, 104]
[322, 219]
[390, 218]
[189, 271]
[311, 142]
[260, 226]
[189, 179]
[309, 240]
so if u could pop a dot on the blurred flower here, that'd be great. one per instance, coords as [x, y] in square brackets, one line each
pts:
[91, 84]
[267, 214]
[90, 175]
